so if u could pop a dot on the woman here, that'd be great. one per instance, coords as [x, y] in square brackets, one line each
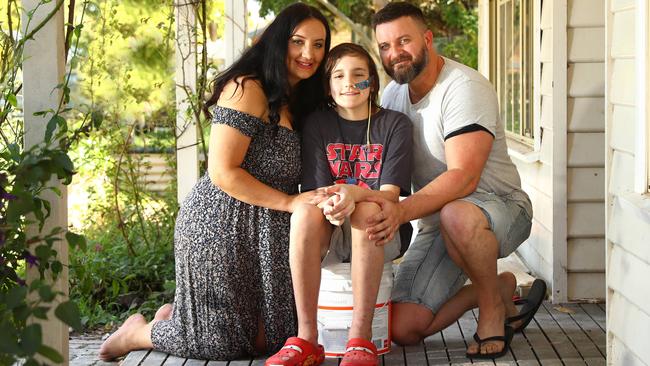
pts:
[233, 283]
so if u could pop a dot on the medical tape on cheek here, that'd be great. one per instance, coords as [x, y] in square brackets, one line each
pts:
[362, 84]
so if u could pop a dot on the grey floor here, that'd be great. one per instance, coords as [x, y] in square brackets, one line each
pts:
[571, 334]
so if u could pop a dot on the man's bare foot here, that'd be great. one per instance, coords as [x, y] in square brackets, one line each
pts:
[491, 325]
[165, 312]
[124, 339]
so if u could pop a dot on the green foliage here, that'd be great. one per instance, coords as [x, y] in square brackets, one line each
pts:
[109, 282]
[26, 176]
[453, 22]
[127, 73]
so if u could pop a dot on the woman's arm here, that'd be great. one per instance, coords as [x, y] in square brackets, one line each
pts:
[228, 147]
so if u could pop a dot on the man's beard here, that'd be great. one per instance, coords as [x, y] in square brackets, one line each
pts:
[406, 74]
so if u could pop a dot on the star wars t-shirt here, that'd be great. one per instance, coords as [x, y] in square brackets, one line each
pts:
[336, 150]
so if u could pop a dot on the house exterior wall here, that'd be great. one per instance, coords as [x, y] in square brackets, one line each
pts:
[542, 168]
[565, 176]
[585, 143]
[628, 213]
[537, 176]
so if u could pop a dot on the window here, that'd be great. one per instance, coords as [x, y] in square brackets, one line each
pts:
[513, 60]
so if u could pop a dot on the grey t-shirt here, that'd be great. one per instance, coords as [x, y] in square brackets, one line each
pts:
[462, 100]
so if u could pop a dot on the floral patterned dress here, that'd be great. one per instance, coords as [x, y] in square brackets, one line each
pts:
[232, 258]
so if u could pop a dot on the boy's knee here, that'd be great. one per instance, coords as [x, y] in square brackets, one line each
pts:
[363, 211]
[305, 214]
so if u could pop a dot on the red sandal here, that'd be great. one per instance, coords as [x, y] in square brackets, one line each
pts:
[360, 352]
[297, 352]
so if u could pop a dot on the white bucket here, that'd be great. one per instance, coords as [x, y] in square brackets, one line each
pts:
[335, 310]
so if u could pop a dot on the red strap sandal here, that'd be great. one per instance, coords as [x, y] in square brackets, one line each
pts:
[297, 352]
[360, 352]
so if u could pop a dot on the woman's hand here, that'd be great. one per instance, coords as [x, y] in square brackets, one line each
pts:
[314, 197]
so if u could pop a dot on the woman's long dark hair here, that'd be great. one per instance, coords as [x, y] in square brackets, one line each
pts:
[266, 61]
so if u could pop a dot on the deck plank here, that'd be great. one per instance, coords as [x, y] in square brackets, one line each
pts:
[455, 343]
[174, 361]
[591, 329]
[558, 340]
[258, 361]
[195, 362]
[135, 357]
[395, 357]
[554, 338]
[597, 314]
[241, 362]
[415, 355]
[543, 349]
[331, 362]
[217, 363]
[154, 358]
[584, 345]
[546, 354]
[435, 350]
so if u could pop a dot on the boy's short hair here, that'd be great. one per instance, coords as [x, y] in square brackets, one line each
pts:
[397, 10]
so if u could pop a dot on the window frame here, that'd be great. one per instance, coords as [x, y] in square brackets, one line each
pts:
[528, 75]
[642, 114]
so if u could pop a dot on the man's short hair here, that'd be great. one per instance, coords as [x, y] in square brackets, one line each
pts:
[397, 10]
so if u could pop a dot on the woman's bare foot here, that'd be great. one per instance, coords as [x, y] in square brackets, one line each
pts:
[135, 333]
[164, 312]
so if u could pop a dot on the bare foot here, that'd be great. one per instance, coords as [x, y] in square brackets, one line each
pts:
[124, 339]
[489, 325]
[492, 326]
[164, 312]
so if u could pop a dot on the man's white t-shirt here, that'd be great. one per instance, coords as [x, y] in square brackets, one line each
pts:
[462, 100]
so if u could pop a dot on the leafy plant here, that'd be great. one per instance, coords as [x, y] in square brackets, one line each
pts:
[109, 282]
[26, 175]
[453, 22]
[127, 73]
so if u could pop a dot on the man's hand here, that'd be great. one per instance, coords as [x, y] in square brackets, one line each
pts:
[384, 224]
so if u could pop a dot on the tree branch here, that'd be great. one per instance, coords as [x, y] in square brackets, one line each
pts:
[367, 41]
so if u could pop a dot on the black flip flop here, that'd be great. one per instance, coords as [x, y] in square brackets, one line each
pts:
[506, 338]
[530, 304]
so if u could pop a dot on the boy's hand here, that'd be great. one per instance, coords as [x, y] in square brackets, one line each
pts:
[344, 203]
[328, 205]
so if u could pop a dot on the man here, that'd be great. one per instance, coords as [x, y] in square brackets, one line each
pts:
[468, 195]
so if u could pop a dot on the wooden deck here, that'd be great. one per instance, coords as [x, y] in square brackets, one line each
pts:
[572, 334]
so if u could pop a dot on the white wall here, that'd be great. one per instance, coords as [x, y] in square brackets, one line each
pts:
[545, 180]
[566, 176]
[585, 144]
[628, 213]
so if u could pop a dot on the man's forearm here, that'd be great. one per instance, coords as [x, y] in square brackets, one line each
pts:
[361, 194]
[447, 187]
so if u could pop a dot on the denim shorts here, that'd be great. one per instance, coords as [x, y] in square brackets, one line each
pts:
[429, 277]
[340, 250]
